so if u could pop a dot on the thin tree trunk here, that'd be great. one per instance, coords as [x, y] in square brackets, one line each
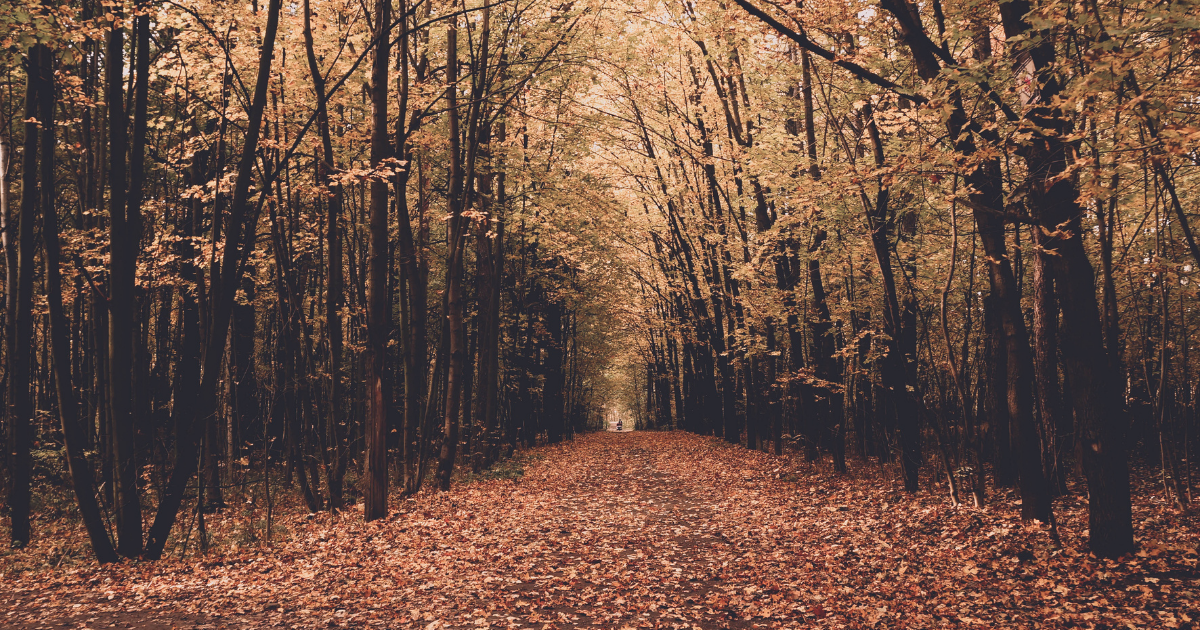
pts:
[552, 397]
[336, 452]
[412, 305]
[487, 279]
[124, 233]
[73, 434]
[241, 223]
[492, 384]
[892, 367]
[824, 347]
[20, 428]
[375, 476]
[454, 316]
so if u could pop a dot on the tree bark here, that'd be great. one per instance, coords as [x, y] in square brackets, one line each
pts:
[892, 367]
[123, 242]
[454, 334]
[375, 476]
[20, 306]
[489, 266]
[987, 202]
[1056, 425]
[74, 436]
[336, 452]
[1093, 385]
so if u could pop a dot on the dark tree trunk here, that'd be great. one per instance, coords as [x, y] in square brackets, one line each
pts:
[987, 203]
[1056, 424]
[892, 370]
[74, 435]
[20, 310]
[552, 398]
[335, 455]
[415, 274]
[454, 333]
[124, 238]
[1018, 382]
[198, 402]
[489, 266]
[375, 475]
[827, 369]
[8, 239]
[1094, 387]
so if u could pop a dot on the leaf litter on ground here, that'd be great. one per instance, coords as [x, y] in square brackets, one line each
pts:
[650, 530]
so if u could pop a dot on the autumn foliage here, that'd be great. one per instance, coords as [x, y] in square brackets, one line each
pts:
[277, 273]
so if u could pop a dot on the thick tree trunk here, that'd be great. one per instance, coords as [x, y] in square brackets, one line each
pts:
[125, 235]
[1018, 362]
[1095, 394]
[1093, 385]
[1056, 424]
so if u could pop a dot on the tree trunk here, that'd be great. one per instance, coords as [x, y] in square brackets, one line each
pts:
[454, 334]
[240, 225]
[987, 203]
[1093, 385]
[1056, 424]
[892, 367]
[489, 267]
[827, 369]
[8, 242]
[20, 306]
[74, 435]
[375, 476]
[124, 235]
[336, 451]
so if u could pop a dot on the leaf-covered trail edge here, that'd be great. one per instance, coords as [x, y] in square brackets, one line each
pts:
[653, 530]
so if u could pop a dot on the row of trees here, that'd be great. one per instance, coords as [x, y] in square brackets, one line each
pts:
[897, 228]
[322, 234]
[371, 242]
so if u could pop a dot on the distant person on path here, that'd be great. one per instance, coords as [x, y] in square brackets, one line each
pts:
[620, 425]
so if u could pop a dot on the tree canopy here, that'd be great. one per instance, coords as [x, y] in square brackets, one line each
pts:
[371, 248]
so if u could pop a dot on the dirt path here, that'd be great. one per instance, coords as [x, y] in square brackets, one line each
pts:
[646, 530]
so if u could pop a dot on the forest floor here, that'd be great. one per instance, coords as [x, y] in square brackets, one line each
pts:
[648, 530]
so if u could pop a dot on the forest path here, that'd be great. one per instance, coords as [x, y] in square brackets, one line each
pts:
[643, 530]
[645, 550]
[609, 530]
